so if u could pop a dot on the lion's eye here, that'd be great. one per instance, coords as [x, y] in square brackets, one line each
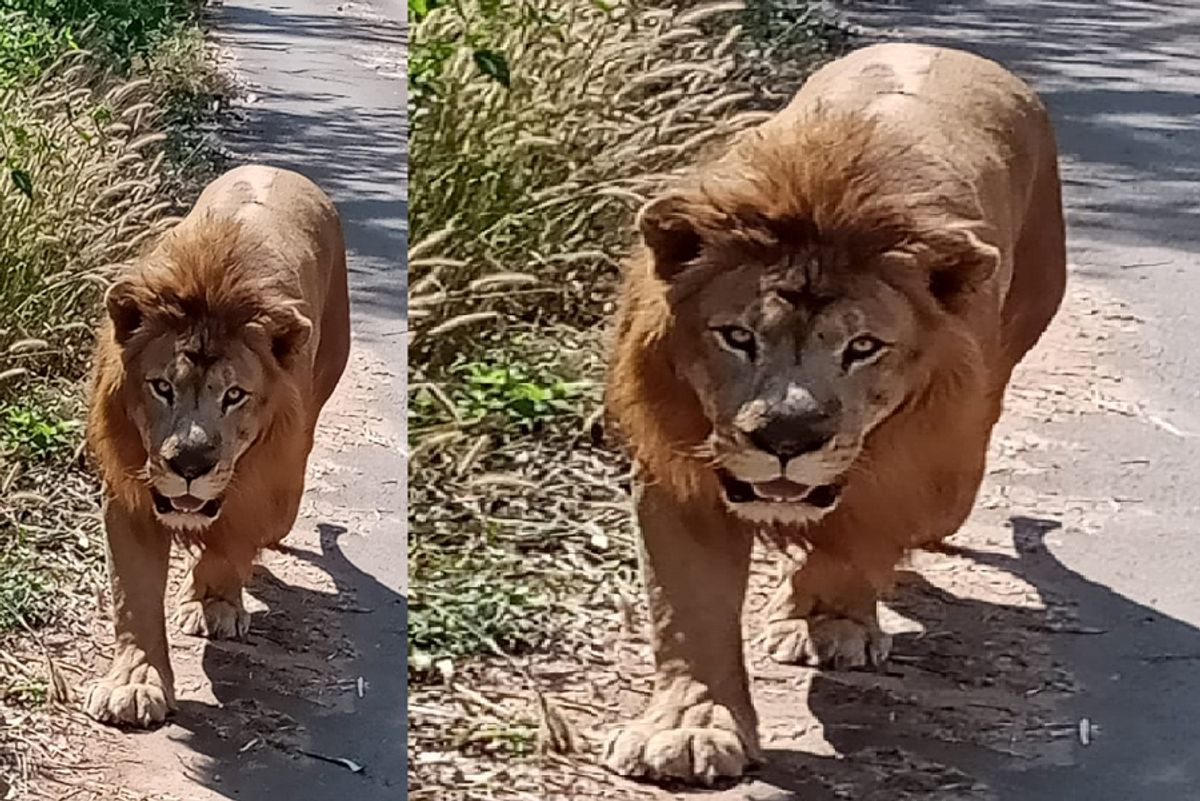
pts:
[163, 389]
[233, 397]
[737, 338]
[862, 348]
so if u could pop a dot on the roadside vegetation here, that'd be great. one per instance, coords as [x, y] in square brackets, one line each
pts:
[537, 130]
[100, 143]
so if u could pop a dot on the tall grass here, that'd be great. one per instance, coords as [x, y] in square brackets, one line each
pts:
[95, 96]
[527, 180]
[79, 192]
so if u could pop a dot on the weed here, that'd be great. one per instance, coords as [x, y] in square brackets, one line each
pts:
[31, 432]
[27, 45]
[516, 739]
[504, 392]
[24, 585]
[470, 599]
[513, 392]
[26, 692]
[119, 30]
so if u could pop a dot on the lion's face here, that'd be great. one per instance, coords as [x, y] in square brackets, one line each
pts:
[197, 414]
[801, 306]
[793, 377]
[202, 384]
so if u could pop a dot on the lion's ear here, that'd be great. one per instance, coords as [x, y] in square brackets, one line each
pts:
[971, 263]
[670, 231]
[123, 304]
[289, 330]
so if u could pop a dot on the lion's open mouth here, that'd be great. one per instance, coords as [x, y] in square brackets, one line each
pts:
[779, 490]
[185, 505]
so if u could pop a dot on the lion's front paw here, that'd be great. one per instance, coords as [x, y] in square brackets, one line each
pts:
[214, 618]
[135, 696]
[696, 744]
[828, 642]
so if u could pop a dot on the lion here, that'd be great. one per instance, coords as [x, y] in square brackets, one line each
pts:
[813, 344]
[218, 350]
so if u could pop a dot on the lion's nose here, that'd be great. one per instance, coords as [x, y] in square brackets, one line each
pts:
[192, 463]
[794, 435]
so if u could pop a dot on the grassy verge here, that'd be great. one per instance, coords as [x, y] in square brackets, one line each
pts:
[538, 128]
[99, 101]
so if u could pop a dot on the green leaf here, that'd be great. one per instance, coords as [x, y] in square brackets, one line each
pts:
[23, 182]
[494, 65]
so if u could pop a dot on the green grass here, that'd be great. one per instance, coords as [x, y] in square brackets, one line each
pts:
[502, 389]
[30, 432]
[25, 586]
[471, 591]
[41, 547]
[472, 598]
[35, 32]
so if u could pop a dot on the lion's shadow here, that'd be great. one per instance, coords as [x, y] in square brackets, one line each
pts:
[1126, 668]
[321, 675]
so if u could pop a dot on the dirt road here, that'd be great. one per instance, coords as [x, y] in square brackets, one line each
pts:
[1122, 80]
[322, 675]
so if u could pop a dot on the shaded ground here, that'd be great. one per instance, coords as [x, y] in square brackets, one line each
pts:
[1123, 84]
[321, 674]
[1051, 653]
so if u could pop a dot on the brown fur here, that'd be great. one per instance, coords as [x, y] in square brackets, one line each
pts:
[883, 169]
[209, 285]
[758, 204]
[254, 275]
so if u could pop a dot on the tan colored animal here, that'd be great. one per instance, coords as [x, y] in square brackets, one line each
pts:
[815, 343]
[219, 350]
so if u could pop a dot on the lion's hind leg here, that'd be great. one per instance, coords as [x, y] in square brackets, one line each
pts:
[825, 614]
[210, 602]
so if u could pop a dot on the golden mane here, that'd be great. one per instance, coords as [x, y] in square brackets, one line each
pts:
[207, 283]
[851, 197]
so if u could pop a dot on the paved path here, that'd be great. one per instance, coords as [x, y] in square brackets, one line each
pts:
[1122, 81]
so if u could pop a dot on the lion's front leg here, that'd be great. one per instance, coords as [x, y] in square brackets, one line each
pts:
[139, 687]
[826, 614]
[211, 600]
[700, 725]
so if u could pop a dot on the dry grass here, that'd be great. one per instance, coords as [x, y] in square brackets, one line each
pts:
[82, 192]
[523, 194]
